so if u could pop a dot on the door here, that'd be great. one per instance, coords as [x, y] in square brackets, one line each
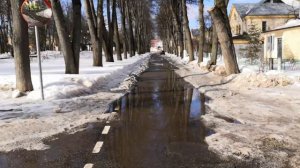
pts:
[279, 48]
[279, 53]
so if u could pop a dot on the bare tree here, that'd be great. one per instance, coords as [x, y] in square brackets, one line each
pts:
[130, 28]
[221, 22]
[68, 47]
[202, 31]
[116, 30]
[95, 24]
[123, 15]
[189, 42]
[76, 37]
[175, 9]
[21, 49]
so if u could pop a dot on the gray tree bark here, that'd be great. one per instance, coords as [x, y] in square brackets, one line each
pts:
[64, 39]
[109, 44]
[215, 46]
[202, 31]
[76, 31]
[116, 30]
[178, 28]
[96, 42]
[221, 22]
[123, 15]
[130, 27]
[21, 48]
[189, 42]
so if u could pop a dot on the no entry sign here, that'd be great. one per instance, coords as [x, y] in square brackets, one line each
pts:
[36, 12]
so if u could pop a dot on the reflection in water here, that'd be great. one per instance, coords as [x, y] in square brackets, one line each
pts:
[159, 117]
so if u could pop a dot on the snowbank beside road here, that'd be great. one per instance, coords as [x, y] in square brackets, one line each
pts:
[58, 85]
[76, 100]
[255, 117]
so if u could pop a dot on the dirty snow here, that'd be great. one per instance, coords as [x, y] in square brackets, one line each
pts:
[71, 100]
[255, 116]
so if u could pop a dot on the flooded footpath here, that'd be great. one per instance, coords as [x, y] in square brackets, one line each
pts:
[158, 126]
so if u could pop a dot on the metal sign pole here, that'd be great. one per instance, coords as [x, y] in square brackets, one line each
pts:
[38, 52]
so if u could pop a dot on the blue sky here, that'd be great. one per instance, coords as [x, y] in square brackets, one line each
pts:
[193, 10]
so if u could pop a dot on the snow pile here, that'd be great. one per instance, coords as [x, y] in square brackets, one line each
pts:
[262, 80]
[177, 59]
[220, 70]
[51, 54]
[58, 85]
[5, 56]
[132, 77]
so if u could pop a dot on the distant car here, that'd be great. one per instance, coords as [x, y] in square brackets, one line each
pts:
[162, 52]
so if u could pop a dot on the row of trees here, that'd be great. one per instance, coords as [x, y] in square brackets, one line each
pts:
[70, 28]
[5, 26]
[173, 28]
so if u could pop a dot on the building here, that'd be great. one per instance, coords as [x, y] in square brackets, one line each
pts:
[282, 43]
[266, 15]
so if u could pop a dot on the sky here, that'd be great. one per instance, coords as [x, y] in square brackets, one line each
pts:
[194, 13]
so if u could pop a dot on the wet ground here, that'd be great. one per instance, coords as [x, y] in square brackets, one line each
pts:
[159, 127]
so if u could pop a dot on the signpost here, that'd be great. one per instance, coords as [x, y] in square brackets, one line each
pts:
[37, 13]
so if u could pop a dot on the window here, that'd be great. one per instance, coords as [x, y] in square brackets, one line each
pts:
[270, 44]
[264, 26]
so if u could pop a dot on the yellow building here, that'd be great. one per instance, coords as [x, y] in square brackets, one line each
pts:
[265, 15]
[283, 42]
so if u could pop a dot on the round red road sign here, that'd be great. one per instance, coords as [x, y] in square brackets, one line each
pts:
[36, 12]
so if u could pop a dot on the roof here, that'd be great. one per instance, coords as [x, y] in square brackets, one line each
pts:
[272, 9]
[243, 8]
[264, 8]
[290, 24]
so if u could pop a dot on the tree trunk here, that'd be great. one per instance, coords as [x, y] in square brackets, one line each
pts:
[9, 13]
[21, 49]
[221, 21]
[116, 31]
[202, 31]
[109, 46]
[178, 28]
[76, 31]
[96, 43]
[100, 30]
[64, 39]
[189, 42]
[131, 36]
[93, 12]
[215, 46]
[215, 43]
[106, 44]
[124, 28]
